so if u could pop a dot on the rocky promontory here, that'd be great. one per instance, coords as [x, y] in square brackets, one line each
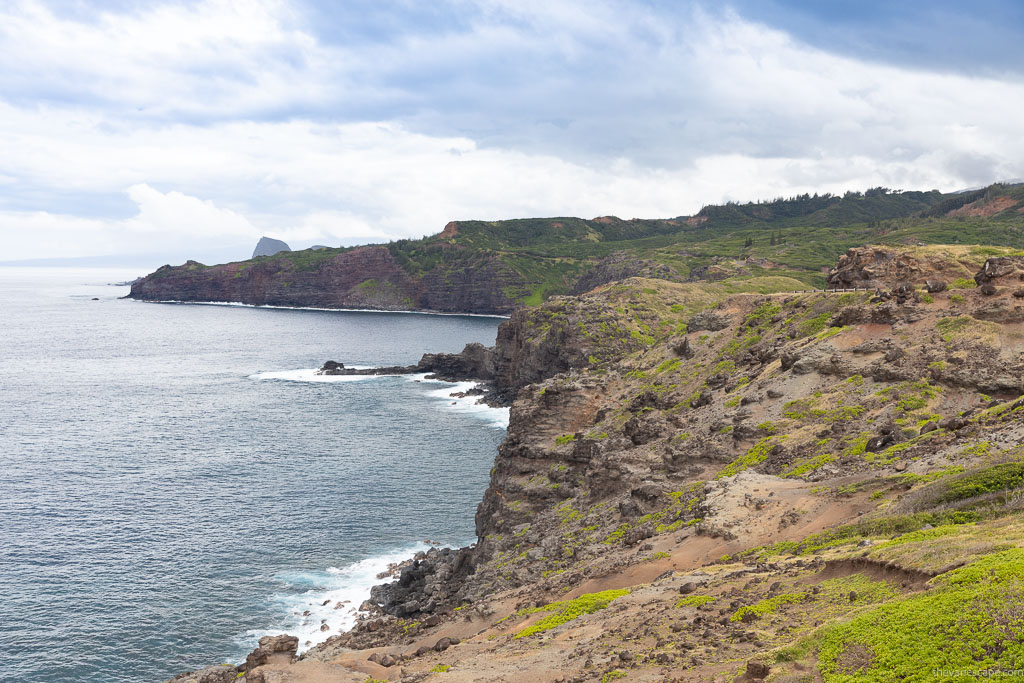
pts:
[705, 484]
[360, 278]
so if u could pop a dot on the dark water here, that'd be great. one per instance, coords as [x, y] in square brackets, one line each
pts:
[173, 484]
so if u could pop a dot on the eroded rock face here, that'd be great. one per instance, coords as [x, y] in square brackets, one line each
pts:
[1002, 269]
[619, 266]
[270, 646]
[365, 277]
[873, 268]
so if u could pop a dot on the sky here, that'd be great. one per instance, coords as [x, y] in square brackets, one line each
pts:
[190, 129]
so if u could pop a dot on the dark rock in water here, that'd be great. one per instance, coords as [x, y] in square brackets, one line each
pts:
[475, 362]
[331, 368]
[268, 246]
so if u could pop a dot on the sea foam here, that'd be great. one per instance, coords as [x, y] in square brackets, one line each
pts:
[470, 405]
[309, 600]
[310, 375]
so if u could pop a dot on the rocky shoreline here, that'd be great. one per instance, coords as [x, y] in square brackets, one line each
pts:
[693, 482]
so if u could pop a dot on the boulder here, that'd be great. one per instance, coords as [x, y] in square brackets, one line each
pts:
[708, 320]
[935, 286]
[879, 442]
[757, 670]
[269, 646]
[445, 643]
[682, 347]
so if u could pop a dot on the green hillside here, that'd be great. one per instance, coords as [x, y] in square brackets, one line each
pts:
[798, 237]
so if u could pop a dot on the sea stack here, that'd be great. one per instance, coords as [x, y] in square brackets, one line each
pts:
[268, 246]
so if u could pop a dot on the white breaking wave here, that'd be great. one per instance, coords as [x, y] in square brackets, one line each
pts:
[239, 304]
[332, 599]
[470, 405]
[310, 375]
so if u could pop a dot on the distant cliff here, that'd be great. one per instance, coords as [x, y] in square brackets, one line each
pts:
[365, 277]
[268, 246]
[497, 266]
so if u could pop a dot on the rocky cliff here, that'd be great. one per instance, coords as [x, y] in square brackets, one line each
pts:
[365, 277]
[705, 485]
[495, 266]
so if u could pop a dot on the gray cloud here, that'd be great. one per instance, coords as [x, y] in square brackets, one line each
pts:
[369, 120]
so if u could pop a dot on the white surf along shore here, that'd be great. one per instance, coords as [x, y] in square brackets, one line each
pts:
[239, 304]
[332, 599]
[495, 417]
[334, 595]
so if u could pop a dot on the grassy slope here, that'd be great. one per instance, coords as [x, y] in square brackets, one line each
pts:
[798, 237]
[959, 521]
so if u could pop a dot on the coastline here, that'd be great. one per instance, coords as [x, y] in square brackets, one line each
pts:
[239, 304]
[339, 606]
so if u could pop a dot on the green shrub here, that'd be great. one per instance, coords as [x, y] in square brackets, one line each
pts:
[694, 600]
[565, 611]
[998, 478]
[757, 453]
[970, 622]
[768, 606]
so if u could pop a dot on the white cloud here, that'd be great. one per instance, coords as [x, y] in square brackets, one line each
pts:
[539, 108]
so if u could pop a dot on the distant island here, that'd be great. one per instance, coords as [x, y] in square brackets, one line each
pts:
[268, 246]
[496, 267]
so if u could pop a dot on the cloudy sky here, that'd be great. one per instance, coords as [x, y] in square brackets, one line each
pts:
[195, 127]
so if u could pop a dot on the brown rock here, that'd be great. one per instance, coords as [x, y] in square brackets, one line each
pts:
[445, 643]
[270, 645]
[757, 670]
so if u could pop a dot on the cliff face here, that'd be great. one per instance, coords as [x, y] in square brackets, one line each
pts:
[889, 267]
[365, 277]
[694, 479]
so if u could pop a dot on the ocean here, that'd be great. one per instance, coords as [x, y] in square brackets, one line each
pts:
[176, 482]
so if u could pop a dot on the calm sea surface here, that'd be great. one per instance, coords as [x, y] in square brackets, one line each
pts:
[175, 481]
